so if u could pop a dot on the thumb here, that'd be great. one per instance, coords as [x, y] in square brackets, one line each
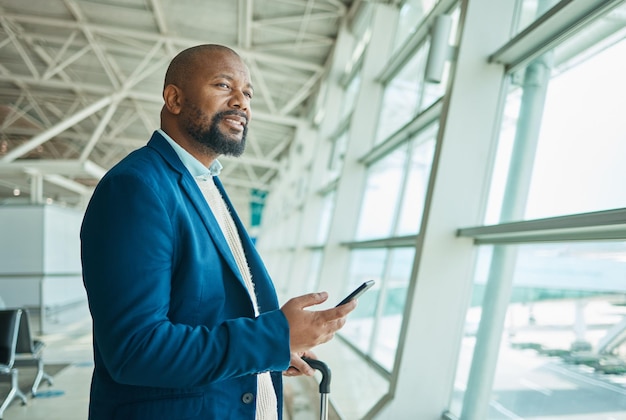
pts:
[310, 299]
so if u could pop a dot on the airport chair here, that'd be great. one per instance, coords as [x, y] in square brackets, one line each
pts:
[29, 352]
[9, 327]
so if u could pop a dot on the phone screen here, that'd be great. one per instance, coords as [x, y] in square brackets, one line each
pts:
[357, 292]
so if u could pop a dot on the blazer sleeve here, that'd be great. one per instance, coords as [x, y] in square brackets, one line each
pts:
[128, 247]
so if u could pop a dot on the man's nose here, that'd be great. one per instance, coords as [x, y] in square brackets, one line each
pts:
[239, 100]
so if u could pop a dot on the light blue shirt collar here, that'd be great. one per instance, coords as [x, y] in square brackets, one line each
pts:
[193, 165]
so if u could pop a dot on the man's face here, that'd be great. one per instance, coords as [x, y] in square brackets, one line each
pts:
[216, 109]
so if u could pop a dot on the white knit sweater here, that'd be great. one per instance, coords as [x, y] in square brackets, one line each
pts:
[266, 402]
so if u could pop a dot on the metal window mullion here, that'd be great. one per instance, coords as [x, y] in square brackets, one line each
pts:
[601, 225]
[559, 23]
[417, 124]
[407, 50]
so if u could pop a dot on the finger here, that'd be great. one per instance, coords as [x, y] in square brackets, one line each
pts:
[292, 371]
[309, 354]
[303, 367]
[310, 299]
[338, 312]
[346, 308]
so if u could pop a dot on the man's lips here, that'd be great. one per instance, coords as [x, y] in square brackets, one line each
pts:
[237, 122]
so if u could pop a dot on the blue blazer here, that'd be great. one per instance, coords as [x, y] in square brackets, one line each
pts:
[174, 331]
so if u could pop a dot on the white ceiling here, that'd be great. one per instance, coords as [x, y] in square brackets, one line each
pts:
[81, 81]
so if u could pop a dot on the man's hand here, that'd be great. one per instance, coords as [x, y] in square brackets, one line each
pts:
[308, 329]
[298, 367]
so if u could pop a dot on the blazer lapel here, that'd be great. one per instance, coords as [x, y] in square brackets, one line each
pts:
[265, 291]
[190, 187]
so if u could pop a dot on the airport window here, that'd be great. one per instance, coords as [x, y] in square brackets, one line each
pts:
[365, 264]
[392, 206]
[313, 273]
[407, 92]
[350, 95]
[416, 183]
[337, 155]
[374, 327]
[382, 195]
[402, 96]
[412, 14]
[434, 90]
[390, 307]
[549, 304]
[396, 188]
[579, 146]
[561, 353]
[328, 205]
[531, 10]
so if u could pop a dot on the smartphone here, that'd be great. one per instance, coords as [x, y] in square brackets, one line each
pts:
[357, 292]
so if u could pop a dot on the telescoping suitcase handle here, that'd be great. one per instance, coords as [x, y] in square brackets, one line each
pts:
[324, 384]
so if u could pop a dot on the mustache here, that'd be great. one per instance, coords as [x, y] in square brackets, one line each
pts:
[234, 112]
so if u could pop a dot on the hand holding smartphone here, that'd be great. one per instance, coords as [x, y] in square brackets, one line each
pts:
[357, 292]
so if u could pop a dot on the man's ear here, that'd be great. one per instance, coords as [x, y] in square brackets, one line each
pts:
[172, 96]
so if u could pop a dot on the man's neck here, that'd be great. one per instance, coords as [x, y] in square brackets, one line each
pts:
[202, 153]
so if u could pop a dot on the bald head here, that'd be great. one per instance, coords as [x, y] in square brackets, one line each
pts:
[207, 96]
[183, 66]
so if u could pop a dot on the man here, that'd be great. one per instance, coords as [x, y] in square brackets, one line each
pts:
[186, 322]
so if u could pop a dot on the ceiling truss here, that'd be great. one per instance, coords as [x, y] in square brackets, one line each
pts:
[81, 80]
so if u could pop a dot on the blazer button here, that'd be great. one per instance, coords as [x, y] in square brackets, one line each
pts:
[247, 398]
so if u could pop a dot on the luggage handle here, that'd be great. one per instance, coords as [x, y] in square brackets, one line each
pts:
[324, 369]
[324, 384]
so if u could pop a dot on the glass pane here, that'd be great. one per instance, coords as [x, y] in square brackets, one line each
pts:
[434, 91]
[364, 265]
[563, 348]
[417, 182]
[382, 194]
[313, 274]
[351, 93]
[337, 156]
[530, 11]
[472, 318]
[412, 13]
[503, 158]
[392, 300]
[402, 96]
[325, 217]
[586, 120]
[564, 125]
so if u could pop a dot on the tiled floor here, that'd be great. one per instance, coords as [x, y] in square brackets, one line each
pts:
[68, 340]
